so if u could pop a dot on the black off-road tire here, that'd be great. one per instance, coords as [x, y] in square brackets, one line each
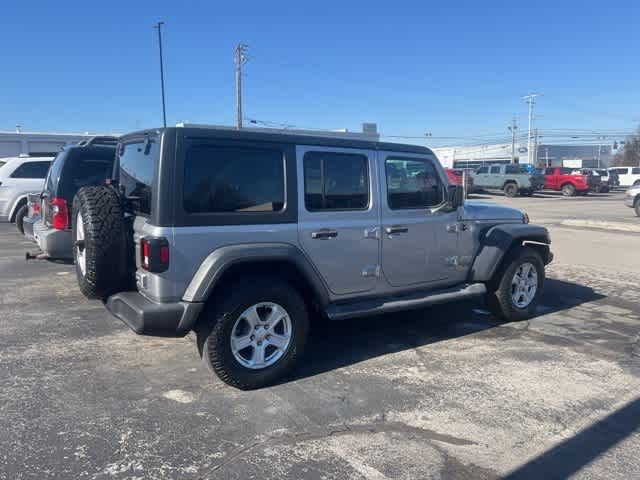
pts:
[568, 190]
[637, 207]
[510, 189]
[499, 300]
[217, 320]
[105, 242]
[20, 214]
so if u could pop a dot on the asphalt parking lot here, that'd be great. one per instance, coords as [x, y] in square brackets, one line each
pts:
[440, 393]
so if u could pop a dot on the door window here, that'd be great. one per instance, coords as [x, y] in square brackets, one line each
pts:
[495, 170]
[335, 181]
[412, 183]
[635, 171]
[482, 170]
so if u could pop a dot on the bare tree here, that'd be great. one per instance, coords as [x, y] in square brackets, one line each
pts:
[630, 154]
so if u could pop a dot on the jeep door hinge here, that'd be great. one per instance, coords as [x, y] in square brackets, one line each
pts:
[456, 227]
[372, 232]
[371, 271]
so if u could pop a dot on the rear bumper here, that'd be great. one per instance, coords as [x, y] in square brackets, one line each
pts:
[150, 318]
[55, 243]
[29, 225]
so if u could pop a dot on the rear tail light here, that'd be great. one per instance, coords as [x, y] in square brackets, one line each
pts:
[59, 213]
[154, 254]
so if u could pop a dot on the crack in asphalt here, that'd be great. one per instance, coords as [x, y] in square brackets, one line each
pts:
[371, 428]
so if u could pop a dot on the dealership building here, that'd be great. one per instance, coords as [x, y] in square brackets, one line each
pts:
[571, 155]
[35, 144]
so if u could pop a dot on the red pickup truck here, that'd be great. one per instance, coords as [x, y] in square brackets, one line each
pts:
[569, 183]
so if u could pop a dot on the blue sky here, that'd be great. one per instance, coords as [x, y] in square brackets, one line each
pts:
[451, 68]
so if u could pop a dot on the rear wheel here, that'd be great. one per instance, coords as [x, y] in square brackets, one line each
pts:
[515, 291]
[99, 243]
[510, 189]
[253, 332]
[637, 207]
[20, 214]
[568, 190]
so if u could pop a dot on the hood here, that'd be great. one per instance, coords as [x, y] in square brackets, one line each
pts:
[475, 210]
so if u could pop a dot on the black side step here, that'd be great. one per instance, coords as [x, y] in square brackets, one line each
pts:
[375, 306]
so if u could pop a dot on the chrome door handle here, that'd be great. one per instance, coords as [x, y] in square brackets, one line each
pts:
[324, 234]
[396, 229]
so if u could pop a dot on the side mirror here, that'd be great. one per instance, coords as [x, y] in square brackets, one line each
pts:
[455, 196]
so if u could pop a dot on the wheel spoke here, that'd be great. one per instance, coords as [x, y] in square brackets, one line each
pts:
[258, 354]
[278, 341]
[274, 317]
[251, 316]
[240, 343]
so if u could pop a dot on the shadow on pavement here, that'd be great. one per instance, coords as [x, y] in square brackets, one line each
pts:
[338, 344]
[569, 456]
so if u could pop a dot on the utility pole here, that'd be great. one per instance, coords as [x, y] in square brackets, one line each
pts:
[241, 59]
[535, 148]
[158, 26]
[512, 128]
[531, 100]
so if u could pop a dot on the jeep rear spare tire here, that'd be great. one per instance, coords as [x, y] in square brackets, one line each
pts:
[252, 333]
[99, 242]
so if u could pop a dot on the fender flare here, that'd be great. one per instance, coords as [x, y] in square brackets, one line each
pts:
[14, 209]
[221, 259]
[497, 241]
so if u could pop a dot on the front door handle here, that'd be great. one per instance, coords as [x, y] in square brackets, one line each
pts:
[396, 229]
[324, 234]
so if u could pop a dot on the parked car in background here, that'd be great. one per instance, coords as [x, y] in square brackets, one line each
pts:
[77, 166]
[563, 180]
[628, 176]
[455, 176]
[32, 216]
[594, 179]
[20, 176]
[241, 235]
[609, 177]
[632, 199]
[512, 179]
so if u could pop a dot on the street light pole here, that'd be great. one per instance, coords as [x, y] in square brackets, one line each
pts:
[512, 128]
[158, 26]
[531, 100]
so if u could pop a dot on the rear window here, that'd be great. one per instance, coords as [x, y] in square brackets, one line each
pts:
[565, 171]
[136, 164]
[515, 169]
[31, 170]
[86, 167]
[54, 172]
[228, 179]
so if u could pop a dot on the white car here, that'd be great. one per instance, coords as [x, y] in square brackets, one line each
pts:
[20, 176]
[629, 176]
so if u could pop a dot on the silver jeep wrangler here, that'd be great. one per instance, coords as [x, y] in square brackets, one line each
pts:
[241, 235]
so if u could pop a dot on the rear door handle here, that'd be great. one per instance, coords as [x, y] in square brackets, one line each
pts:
[324, 234]
[396, 229]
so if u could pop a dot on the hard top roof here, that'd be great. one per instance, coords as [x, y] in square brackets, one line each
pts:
[330, 139]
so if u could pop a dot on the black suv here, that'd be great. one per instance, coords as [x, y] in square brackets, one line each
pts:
[88, 163]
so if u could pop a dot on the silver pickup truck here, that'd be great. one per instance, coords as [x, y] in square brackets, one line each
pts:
[512, 179]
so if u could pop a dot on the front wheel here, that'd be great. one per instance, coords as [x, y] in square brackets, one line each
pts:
[253, 332]
[515, 292]
[637, 207]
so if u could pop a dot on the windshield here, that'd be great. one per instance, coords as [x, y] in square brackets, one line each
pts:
[136, 164]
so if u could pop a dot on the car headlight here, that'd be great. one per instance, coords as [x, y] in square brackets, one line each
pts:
[525, 217]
